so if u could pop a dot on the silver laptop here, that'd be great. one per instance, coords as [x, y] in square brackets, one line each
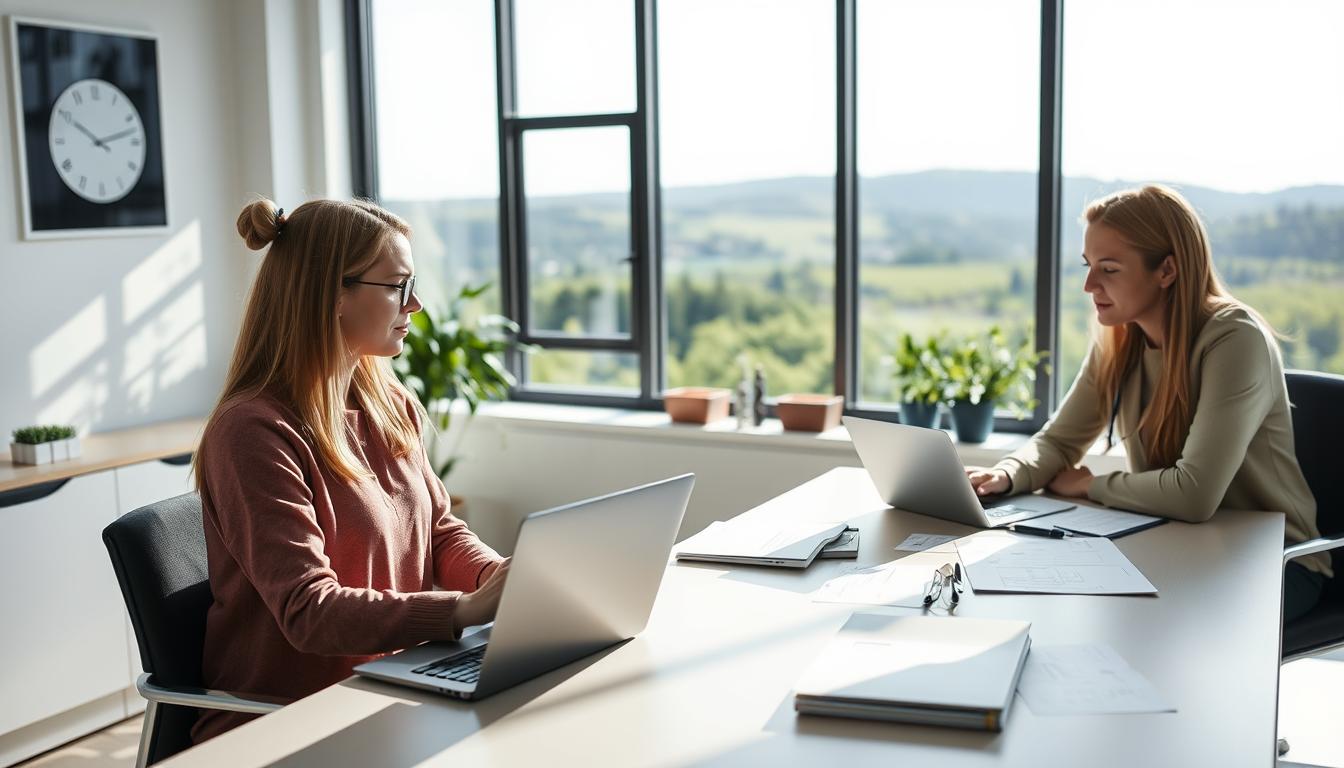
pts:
[583, 578]
[918, 469]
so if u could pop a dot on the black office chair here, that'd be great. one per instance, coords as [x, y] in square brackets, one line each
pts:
[1318, 423]
[158, 553]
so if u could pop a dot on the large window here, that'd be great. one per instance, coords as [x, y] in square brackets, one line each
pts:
[576, 221]
[947, 155]
[436, 139]
[747, 131]
[803, 181]
[1252, 139]
[573, 200]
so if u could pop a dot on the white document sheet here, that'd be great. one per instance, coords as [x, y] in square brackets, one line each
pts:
[792, 541]
[1086, 680]
[898, 583]
[1000, 561]
[918, 542]
[1097, 521]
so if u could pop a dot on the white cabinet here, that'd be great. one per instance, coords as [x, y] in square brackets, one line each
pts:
[139, 485]
[64, 636]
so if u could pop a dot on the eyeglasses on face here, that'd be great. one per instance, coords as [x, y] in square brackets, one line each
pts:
[406, 287]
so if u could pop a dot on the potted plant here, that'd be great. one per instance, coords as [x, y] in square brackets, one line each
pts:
[44, 444]
[985, 371]
[447, 358]
[920, 379]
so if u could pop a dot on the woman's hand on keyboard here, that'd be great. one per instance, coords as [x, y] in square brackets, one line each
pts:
[989, 482]
[479, 607]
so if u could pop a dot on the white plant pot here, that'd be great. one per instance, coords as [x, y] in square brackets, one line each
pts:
[59, 450]
[23, 453]
[72, 447]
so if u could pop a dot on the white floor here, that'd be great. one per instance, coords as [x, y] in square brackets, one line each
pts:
[1309, 705]
[113, 747]
[1310, 693]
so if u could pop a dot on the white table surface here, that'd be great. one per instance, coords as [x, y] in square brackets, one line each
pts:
[709, 681]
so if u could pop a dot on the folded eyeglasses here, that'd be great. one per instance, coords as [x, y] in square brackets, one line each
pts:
[946, 586]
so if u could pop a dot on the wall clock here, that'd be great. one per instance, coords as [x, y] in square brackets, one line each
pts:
[89, 133]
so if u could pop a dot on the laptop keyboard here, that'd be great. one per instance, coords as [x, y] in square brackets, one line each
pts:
[1001, 511]
[465, 668]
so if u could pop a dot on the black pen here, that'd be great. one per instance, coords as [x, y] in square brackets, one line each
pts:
[1051, 533]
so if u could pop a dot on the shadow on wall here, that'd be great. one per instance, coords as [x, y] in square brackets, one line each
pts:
[121, 348]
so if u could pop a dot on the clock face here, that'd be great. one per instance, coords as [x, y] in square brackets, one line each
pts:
[97, 140]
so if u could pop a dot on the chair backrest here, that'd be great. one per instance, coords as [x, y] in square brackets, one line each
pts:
[1318, 426]
[158, 553]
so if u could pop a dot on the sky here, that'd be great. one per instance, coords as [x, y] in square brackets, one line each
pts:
[1238, 95]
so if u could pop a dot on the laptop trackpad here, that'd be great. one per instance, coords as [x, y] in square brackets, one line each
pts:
[428, 652]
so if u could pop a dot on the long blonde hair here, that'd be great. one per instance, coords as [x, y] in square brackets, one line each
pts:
[290, 345]
[1158, 222]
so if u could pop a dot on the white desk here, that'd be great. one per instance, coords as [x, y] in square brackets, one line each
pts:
[709, 681]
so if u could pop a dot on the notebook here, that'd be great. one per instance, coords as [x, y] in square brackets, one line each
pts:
[927, 670]
[752, 542]
[1098, 521]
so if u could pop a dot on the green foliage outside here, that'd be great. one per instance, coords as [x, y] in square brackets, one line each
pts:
[755, 275]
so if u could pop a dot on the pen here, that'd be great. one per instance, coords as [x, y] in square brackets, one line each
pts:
[1051, 533]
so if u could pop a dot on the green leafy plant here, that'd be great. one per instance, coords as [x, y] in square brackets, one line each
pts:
[37, 435]
[988, 367]
[920, 374]
[448, 357]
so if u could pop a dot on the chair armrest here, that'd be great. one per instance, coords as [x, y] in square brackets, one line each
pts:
[1311, 547]
[204, 698]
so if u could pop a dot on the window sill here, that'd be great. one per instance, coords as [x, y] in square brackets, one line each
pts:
[656, 425]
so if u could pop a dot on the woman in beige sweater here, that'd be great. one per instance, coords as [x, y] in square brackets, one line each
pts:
[1189, 378]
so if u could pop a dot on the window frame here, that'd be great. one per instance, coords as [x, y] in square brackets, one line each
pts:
[647, 300]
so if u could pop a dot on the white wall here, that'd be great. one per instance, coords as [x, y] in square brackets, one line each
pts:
[510, 469]
[112, 332]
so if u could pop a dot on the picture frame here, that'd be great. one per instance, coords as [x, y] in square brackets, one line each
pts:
[89, 130]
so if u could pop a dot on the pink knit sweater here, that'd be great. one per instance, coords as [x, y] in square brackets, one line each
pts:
[311, 574]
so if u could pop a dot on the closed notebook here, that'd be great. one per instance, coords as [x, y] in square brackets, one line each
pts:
[928, 670]
[754, 542]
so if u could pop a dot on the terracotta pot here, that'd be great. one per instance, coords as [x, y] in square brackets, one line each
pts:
[696, 405]
[809, 413]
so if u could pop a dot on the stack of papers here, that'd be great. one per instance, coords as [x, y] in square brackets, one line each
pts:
[999, 561]
[957, 672]
[790, 544]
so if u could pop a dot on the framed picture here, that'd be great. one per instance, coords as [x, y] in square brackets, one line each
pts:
[90, 138]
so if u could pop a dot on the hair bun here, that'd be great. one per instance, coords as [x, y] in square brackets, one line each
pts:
[258, 223]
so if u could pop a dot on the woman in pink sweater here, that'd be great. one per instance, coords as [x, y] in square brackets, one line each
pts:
[329, 538]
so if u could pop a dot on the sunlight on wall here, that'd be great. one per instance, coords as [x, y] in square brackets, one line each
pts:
[130, 343]
[72, 345]
[167, 346]
[80, 401]
[166, 270]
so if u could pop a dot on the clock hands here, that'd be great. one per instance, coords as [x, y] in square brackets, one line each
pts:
[118, 135]
[96, 141]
